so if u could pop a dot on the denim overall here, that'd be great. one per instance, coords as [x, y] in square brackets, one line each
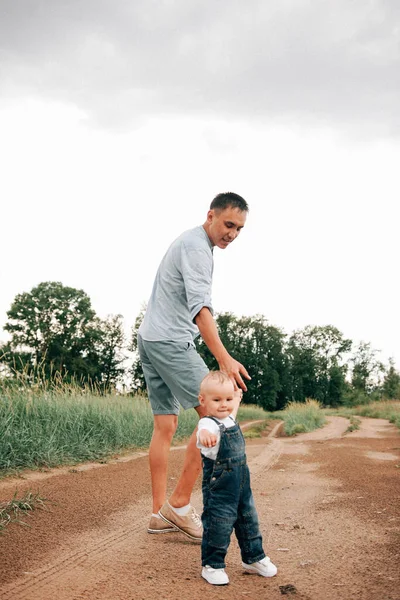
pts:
[228, 502]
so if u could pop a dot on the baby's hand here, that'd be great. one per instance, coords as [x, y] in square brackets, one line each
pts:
[207, 439]
[238, 395]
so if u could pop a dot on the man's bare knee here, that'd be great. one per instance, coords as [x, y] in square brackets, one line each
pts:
[165, 425]
[201, 411]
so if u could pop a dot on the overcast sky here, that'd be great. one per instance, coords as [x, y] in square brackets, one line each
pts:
[120, 120]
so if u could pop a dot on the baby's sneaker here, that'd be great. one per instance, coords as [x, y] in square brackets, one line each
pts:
[215, 576]
[263, 567]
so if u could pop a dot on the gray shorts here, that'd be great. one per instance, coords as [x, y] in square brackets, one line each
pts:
[173, 373]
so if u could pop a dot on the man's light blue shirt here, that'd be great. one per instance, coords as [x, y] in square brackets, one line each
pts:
[182, 287]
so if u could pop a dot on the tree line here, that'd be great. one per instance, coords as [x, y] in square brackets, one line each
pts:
[55, 332]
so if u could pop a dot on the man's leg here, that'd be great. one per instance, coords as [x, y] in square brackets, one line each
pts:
[164, 430]
[191, 470]
[165, 413]
[178, 512]
[173, 372]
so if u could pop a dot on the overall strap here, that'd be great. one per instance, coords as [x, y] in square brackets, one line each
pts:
[220, 425]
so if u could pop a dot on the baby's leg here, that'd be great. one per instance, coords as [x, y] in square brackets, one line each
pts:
[246, 526]
[218, 519]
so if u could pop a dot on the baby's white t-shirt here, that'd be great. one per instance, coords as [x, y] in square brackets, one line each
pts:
[212, 427]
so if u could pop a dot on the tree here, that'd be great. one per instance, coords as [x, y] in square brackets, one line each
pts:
[391, 382]
[337, 385]
[366, 369]
[259, 347]
[317, 368]
[111, 344]
[53, 328]
[138, 380]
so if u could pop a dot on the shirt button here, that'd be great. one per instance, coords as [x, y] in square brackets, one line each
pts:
[213, 479]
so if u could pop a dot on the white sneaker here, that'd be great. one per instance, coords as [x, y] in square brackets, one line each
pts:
[215, 576]
[263, 567]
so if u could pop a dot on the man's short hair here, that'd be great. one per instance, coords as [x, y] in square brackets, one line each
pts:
[229, 199]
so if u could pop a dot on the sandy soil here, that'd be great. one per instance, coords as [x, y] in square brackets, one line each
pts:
[329, 506]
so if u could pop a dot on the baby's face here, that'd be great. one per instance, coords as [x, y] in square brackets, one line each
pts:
[217, 399]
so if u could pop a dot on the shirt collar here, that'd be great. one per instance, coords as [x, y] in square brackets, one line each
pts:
[207, 238]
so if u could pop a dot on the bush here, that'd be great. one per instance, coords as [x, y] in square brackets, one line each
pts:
[298, 428]
[250, 412]
[356, 398]
[385, 409]
[302, 417]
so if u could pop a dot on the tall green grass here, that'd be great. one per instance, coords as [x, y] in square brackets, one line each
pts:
[250, 412]
[384, 409]
[55, 429]
[65, 425]
[302, 417]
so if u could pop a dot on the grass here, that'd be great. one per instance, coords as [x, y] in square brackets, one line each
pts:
[255, 431]
[355, 423]
[43, 427]
[384, 409]
[50, 429]
[11, 511]
[302, 417]
[252, 412]
[61, 425]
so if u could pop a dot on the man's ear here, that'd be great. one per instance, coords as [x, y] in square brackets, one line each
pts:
[210, 215]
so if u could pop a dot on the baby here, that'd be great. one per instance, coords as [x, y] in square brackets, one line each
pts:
[227, 497]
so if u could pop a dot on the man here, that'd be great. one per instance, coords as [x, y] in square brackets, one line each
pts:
[179, 309]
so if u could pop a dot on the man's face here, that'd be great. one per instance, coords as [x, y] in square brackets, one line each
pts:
[224, 226]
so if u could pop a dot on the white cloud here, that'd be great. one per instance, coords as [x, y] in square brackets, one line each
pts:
[97, 210]
[121, 120]
[315, 63]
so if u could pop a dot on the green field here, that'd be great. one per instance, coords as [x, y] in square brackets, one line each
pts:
[66, 426]
[41, 428]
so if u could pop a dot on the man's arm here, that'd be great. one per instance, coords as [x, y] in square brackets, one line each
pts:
[208, 330]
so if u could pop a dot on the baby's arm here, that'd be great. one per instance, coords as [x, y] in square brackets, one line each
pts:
[207, 433]
[207, 439]
[237, 398]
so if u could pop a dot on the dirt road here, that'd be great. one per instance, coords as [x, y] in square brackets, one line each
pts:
[329, 507]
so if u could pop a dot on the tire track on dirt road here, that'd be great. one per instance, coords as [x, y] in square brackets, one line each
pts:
[307, 521]
[90, 551]
[93, 557]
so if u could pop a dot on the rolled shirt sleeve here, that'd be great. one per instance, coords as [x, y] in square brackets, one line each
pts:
[197, 270]
[212, 427]
[182, 287]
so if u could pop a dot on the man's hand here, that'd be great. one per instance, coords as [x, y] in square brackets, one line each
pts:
[209, 332]
[234, 369]
[207, 439]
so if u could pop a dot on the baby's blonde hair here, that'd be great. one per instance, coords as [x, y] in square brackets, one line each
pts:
[216, 376]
